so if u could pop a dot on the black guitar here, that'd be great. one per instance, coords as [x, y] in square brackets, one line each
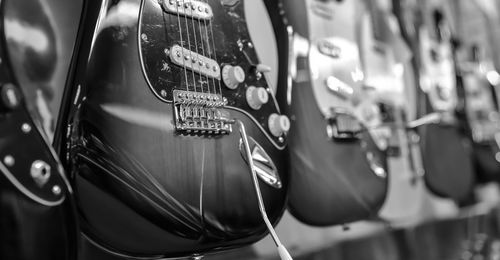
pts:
[481, 111]
[153, 132]
[37, 217]
[446, 152]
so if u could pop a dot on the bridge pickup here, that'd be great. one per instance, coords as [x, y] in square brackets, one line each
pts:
[188, 8]
[196, 62]
[200, 113]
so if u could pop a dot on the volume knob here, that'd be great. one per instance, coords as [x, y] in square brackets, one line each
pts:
[256, 97]
[232, 76]
[278, 124]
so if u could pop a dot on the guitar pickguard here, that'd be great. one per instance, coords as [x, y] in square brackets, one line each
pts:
[207, 47]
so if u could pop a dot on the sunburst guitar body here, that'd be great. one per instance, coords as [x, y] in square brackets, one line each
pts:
[152, 135]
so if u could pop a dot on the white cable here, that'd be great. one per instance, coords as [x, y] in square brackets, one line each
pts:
[282, 251]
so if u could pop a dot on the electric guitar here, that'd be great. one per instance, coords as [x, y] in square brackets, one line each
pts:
[477, 78]
[37, 214]
[174, 140]
[389, 80]
[425, 28]
[338, 174]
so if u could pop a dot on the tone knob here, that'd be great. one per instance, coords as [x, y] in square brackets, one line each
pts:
[278, 124]
[232, 76]
[256, 97]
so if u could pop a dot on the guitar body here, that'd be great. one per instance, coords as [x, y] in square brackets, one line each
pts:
[333, 181]
[482, 115]
[388, 75]
[446, 152]
[37, 213]
[477, 77]
[147, 186]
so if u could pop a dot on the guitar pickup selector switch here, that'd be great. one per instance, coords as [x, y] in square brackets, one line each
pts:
[256, 97]
[278, 124]
[232, 76]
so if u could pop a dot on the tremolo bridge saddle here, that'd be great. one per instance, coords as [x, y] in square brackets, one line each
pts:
[200, 113]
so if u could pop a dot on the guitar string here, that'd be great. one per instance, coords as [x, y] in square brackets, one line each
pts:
[182, 45]
[198, 60]
[202, 40]
[191, 57]
[209, 51]
[215, 53]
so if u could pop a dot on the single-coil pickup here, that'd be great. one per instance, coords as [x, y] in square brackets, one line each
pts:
[188, 8]
[194, 61]
[200, 113]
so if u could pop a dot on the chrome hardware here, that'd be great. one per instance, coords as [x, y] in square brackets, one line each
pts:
[339, 88]
[299, 48]
[194, 61]
[378, 170]
[9, 160]
[10, 98]
[40, 172]
[26, 128]
[283, 253]
[264, 166]
[327, 48]
[342, 125]
[200, 113]
[56, 190]
[189, 8]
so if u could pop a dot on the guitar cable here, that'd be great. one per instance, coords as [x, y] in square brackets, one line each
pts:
[282, 251]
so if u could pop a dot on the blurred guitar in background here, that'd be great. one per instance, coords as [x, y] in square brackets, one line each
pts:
[446, 152]
[338, 173]
[390, 83]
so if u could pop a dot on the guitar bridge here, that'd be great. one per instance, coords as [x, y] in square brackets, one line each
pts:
[343, 126]
[200, 113]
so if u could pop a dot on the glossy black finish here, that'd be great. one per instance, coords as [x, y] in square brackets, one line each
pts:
[331, 181]
[37, 221]
[160, 30]
[487, 167]
[144, 190]
[446, 151]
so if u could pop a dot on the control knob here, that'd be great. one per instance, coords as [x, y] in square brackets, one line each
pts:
[232, 76]
[278, 124]
[256, 97]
